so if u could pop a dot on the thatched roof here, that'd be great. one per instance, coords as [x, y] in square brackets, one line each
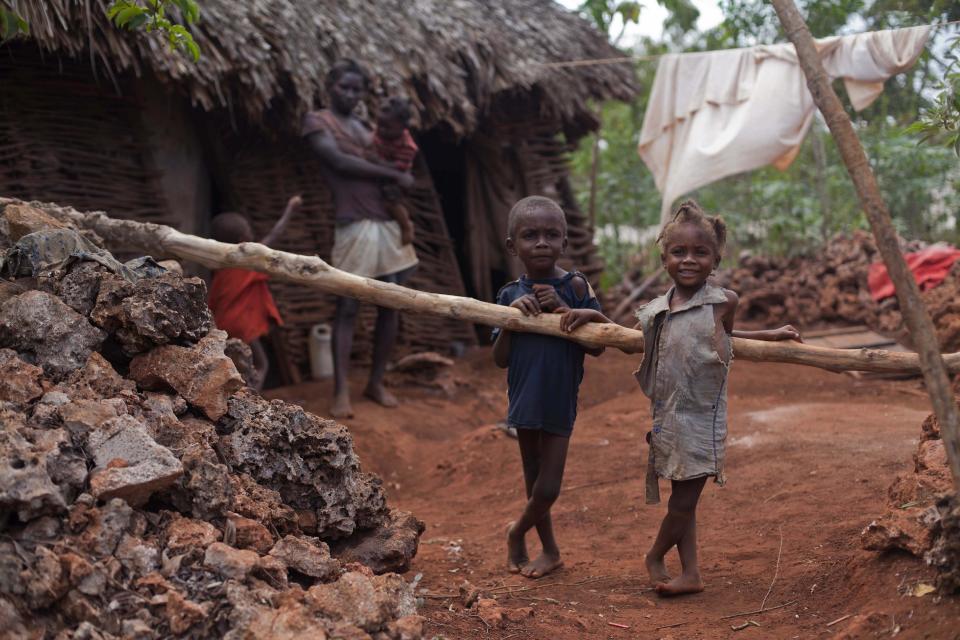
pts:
[452, 57]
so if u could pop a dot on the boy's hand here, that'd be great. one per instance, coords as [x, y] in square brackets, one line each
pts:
[573, 318]
[294, 202]
[786, 332]
[528, 304]
[547, 297]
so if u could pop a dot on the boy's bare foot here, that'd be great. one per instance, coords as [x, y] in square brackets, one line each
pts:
[679, 586]
[381, 396]
[517, 556]
[542, 565]
[341, 406]
[657, 569]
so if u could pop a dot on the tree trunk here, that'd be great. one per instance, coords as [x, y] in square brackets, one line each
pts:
[311, 271]
[908, 293]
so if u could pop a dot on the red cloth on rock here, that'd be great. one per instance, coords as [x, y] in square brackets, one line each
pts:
[929, 267]
[241, 303]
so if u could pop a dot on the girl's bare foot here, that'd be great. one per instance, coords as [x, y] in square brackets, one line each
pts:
[657, 569]
[517, 556]
[341, 406]
[680, 585]
[542, 565]
[381, 396]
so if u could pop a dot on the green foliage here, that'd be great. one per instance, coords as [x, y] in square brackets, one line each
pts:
[940, 121]
[151, 16]
[603, 13]
[11, 24]
[790, 212]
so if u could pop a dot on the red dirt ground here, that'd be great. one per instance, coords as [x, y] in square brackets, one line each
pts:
[810, 457]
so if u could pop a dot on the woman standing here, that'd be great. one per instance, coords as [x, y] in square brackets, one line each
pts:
[367, 241]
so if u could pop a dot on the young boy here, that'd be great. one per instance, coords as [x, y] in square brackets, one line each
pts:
[543, 372]
[394, 146]
[240, 299]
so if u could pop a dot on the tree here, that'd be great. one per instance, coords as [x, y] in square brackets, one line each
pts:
[940, 122]
[791, 212]
[148, 15]
[11, 24]
[152, 16]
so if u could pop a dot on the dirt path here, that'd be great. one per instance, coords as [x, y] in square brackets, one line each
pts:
[810, 457]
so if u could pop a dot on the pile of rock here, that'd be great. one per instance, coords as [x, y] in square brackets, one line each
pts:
[145, 492]
[816, 291]
[923, 515]
[830, 287]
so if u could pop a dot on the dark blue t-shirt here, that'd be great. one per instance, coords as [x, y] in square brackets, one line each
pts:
[545, 372]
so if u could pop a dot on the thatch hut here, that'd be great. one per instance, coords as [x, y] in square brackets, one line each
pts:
[99, 118]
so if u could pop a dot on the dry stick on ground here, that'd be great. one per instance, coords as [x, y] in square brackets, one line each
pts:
[160, 240]
[908, 293]
[776, 571]
[758, 611]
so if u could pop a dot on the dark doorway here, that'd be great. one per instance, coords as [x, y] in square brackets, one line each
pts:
[446, 160]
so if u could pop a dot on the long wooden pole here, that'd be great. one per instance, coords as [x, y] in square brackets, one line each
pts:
[311, 271]
[908, 293]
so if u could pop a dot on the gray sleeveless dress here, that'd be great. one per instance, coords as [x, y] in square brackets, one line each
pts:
[686, 359]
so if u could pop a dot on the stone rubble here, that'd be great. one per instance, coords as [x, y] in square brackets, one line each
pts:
[923, 513]
[145, 493]
[827, 288]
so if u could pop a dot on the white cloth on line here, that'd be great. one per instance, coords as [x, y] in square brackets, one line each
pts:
[718, 113]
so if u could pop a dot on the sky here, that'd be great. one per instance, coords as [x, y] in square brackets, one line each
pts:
[652, 16]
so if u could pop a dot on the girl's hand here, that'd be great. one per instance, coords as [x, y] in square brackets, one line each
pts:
[528, 304]
[295, 202]
[547, 297]
[786, 332]
[573, 318]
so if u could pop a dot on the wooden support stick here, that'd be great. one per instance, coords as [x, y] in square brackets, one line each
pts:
[311, 271]
[908, 293]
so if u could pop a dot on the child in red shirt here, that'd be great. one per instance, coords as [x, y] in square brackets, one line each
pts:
[240, 299]
[394, 146]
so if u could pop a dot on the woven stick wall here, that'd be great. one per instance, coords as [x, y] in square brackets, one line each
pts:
[66, 138]
[543, 155]
[258, 176]
[511, 159]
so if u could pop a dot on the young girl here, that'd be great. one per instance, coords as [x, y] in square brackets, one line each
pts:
[686, 358]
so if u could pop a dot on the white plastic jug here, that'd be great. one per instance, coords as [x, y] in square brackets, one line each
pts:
[321, 357]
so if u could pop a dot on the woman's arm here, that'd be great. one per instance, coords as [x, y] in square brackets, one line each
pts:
[326, 147]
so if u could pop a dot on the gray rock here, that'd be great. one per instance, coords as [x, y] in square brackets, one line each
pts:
[151, 312]
[306, 555]
[130, 464]
[39, 471]
[48, 333]
[309, 461]
[389, 547]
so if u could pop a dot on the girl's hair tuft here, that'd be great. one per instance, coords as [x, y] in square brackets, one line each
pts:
[690, 212]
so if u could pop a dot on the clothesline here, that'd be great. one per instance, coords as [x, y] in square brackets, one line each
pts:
[622, 59]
